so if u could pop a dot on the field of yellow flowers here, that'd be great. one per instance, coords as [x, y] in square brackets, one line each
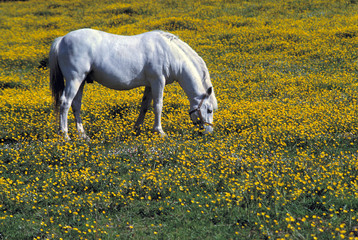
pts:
[281, 164]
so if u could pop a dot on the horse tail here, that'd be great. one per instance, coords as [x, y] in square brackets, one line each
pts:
[57, 83]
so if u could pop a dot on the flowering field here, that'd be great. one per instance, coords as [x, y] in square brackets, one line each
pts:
[281, 164]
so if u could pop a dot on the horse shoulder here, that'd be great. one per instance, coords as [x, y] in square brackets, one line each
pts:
[156, 52]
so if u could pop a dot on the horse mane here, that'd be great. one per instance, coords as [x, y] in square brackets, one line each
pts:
[193, 55]
[190, 53]
[169, 36]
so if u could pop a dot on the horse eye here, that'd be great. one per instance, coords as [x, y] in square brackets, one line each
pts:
[210, 111]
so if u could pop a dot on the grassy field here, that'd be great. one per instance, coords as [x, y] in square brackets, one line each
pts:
[281, 164]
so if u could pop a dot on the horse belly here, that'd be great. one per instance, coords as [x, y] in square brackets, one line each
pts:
[120, 80]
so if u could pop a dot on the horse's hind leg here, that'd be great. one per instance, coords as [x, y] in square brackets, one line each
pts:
[76, 108]
[147, 99]
[71, 89]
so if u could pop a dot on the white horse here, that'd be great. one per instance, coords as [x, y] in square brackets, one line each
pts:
[151, 59]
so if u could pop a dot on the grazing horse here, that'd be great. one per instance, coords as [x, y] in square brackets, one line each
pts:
[151, 59]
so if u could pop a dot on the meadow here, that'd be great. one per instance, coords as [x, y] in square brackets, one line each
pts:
[282, 162]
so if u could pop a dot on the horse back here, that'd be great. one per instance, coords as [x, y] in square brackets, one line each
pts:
[119, 62]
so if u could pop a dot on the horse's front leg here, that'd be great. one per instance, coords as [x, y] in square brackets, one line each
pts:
[76, 108]
[157, 92]
[147, 99]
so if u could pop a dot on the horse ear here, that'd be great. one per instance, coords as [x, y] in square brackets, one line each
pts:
[209, 91]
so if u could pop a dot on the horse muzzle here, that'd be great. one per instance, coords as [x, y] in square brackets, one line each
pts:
[208, 128]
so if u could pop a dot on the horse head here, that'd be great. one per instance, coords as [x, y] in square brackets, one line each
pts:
[203, 114]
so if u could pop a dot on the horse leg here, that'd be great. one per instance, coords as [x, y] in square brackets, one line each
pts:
[76, 108]
[147, 99]
[71, 89]
[157, 92]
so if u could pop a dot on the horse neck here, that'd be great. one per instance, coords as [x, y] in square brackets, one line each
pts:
[190, 73]
[193, 88]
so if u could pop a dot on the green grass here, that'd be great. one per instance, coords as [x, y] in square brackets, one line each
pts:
[281, 164]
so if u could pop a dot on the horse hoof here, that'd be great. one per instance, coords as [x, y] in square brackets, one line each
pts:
[66, 138]
[137, 130]
[160, 132]
[85, 137]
